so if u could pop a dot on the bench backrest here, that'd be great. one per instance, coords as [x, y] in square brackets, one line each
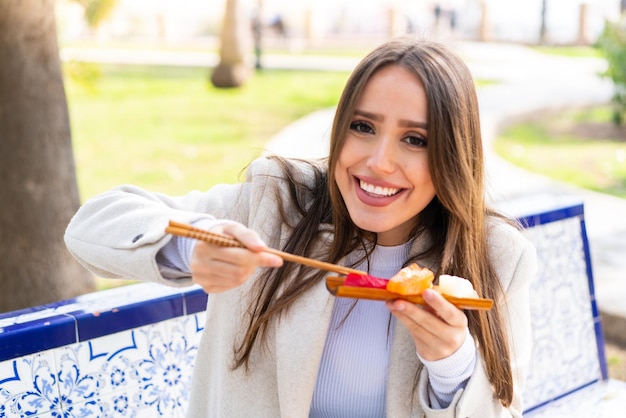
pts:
[568, 352]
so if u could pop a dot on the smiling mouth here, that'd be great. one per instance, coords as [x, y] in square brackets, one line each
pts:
[378, 191]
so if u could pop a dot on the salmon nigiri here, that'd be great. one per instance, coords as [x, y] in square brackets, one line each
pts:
[411, 280]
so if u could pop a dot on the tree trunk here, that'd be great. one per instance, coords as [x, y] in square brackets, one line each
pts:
[38, 191]
[483, 27]
[583, 36]
[543, 28]
[232, 70]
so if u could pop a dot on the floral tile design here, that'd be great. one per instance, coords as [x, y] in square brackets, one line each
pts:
[565, 354]
[140, 372]
[29, 386]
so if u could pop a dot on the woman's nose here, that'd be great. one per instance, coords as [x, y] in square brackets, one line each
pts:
[382, 157]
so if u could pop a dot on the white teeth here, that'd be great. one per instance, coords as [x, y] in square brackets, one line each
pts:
[381, 191]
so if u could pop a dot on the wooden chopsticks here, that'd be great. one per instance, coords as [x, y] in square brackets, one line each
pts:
[334, 284]
[189, 231]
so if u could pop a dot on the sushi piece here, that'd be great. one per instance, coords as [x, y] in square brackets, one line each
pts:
[411, 280]
[456, 286]
[364, 280]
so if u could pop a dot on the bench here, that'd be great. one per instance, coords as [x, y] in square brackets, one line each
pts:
[129, 351]
[568, 376]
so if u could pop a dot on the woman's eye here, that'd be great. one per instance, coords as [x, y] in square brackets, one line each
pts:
[416, 141]
[361, 127]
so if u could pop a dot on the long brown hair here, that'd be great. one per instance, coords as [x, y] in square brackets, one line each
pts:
[454, 219]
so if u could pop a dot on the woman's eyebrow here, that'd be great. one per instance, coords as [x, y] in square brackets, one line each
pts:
[405, 123]
[368, 115]
[413, 124]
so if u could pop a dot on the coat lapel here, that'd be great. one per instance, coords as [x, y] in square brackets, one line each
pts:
[402, 400]
[300, 338]
[403, 366]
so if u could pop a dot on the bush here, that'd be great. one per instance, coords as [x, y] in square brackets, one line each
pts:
[612, 42]
[96, 11]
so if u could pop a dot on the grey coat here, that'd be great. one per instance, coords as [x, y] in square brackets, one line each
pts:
[119, 233]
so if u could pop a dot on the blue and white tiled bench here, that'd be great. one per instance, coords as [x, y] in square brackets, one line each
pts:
[129, 351]
[124, 352]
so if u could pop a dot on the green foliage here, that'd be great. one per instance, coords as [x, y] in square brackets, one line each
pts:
[96, 11]
[569, 51]
[612, 42]
[83, 74]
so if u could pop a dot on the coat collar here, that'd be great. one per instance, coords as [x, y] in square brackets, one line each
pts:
[402, 375]
[300, 339]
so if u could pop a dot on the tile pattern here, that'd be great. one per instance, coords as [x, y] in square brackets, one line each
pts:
[142, 372]
[127, 352]
[565, 354]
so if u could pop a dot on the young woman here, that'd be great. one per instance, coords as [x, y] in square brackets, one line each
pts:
[403, 182]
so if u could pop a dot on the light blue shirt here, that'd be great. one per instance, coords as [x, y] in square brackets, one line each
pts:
[352, 378]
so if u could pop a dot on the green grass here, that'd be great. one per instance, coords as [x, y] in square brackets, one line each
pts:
[169, 130]
[579, 147]
[570, 51]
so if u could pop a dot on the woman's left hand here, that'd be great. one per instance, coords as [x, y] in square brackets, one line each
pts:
[438, 328]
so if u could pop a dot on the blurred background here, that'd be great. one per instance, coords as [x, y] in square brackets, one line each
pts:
[307, 22]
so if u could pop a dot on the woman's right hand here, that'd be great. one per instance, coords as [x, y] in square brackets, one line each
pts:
[217, 269]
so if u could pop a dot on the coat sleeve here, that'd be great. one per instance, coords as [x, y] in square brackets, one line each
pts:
[515, 261]
[117, 234]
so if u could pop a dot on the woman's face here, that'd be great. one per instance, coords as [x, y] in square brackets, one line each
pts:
[382, 169]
